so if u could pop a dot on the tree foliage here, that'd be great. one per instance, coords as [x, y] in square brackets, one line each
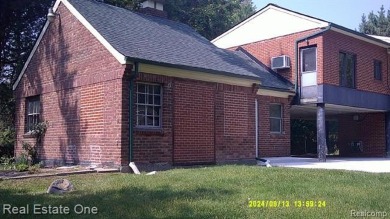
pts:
[210, 18]
[376, 24]
[20, 24]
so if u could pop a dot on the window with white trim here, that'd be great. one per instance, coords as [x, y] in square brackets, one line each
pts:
[275, 118]
[149, 102]
[33, 109]
[309, 59]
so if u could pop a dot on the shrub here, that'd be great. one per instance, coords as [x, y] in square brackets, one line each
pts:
[7, 162]
[7, 139]
[21, 162]
[34, 168]
[21, 167]
[32, 153]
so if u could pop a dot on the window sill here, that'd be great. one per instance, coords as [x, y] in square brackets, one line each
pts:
[277, 133]
[28, 135]
[149, 131]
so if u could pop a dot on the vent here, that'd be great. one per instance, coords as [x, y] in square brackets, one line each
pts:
[280, 62]
[357, 146]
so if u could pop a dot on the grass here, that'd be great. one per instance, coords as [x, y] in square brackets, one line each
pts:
[210, 192]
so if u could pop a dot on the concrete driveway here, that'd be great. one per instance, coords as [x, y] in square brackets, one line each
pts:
[373, 165]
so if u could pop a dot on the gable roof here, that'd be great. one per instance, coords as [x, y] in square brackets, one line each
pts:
[274, 21]
[132, 36]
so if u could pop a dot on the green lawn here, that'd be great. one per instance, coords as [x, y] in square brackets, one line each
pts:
[211, 192]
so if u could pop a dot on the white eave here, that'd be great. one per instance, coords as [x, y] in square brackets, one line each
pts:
[274, 21]
[269, 22]
[121, 58]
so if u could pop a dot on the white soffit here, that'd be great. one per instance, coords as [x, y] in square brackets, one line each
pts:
[268, 23]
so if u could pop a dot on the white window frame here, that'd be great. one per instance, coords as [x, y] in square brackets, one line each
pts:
[32, 117]
[306, 48]
[145, 114]
[279, 118]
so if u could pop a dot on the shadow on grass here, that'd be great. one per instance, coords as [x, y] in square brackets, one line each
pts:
[131, 202]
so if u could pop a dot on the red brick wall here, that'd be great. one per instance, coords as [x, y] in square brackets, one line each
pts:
[235, 123]
[370, 129]
[365, 52]
[210, 118]
[272, 144]
[283, 45]
[193, 122]
[79, 83]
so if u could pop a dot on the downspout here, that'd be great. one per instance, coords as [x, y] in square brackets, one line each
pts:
[298, 94]
[133, 76]
[257, 127]
[266, 162]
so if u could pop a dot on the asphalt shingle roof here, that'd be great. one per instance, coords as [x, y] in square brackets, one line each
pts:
[161, 40]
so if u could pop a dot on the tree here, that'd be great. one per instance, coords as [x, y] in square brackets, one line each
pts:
[21, 22]
[376, 24]
[210, 18]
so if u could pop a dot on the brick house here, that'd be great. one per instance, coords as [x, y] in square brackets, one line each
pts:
[117, 86]
[340, 75]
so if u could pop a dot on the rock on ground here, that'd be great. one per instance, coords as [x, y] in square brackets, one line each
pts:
[60, 186]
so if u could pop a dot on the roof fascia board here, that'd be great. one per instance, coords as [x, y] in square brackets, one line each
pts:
[274, 93]
[121, 58]
[184, 67]
[195, 75]
[278, 8]
[357, 35]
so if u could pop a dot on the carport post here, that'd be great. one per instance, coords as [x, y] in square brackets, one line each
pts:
[321, 133]
[387, 125]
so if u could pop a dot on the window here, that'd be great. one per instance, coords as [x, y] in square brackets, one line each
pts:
[275, 118]
[309, 59]
[347, 69]
[149, 105]
[33, 109]
[377, 70]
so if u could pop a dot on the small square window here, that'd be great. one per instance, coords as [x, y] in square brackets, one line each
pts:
[275, 118]
[148, 105]
[377, 70]
[33, 109]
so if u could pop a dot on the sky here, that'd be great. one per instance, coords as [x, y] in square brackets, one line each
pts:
[347, 13]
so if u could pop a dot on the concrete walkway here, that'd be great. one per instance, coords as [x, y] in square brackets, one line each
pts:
[373, 165]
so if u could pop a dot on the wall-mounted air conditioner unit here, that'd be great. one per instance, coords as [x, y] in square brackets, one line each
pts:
[280, 62]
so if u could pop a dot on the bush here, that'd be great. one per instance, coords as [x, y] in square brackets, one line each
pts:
[21, 167]
[7, 140]
[21, 163]
[34, 168]
[7, 162]
[32, 153]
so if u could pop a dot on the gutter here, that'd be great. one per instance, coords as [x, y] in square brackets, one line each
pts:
[259, 160]
[297, 54]
[191, 68]
[133, 76]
